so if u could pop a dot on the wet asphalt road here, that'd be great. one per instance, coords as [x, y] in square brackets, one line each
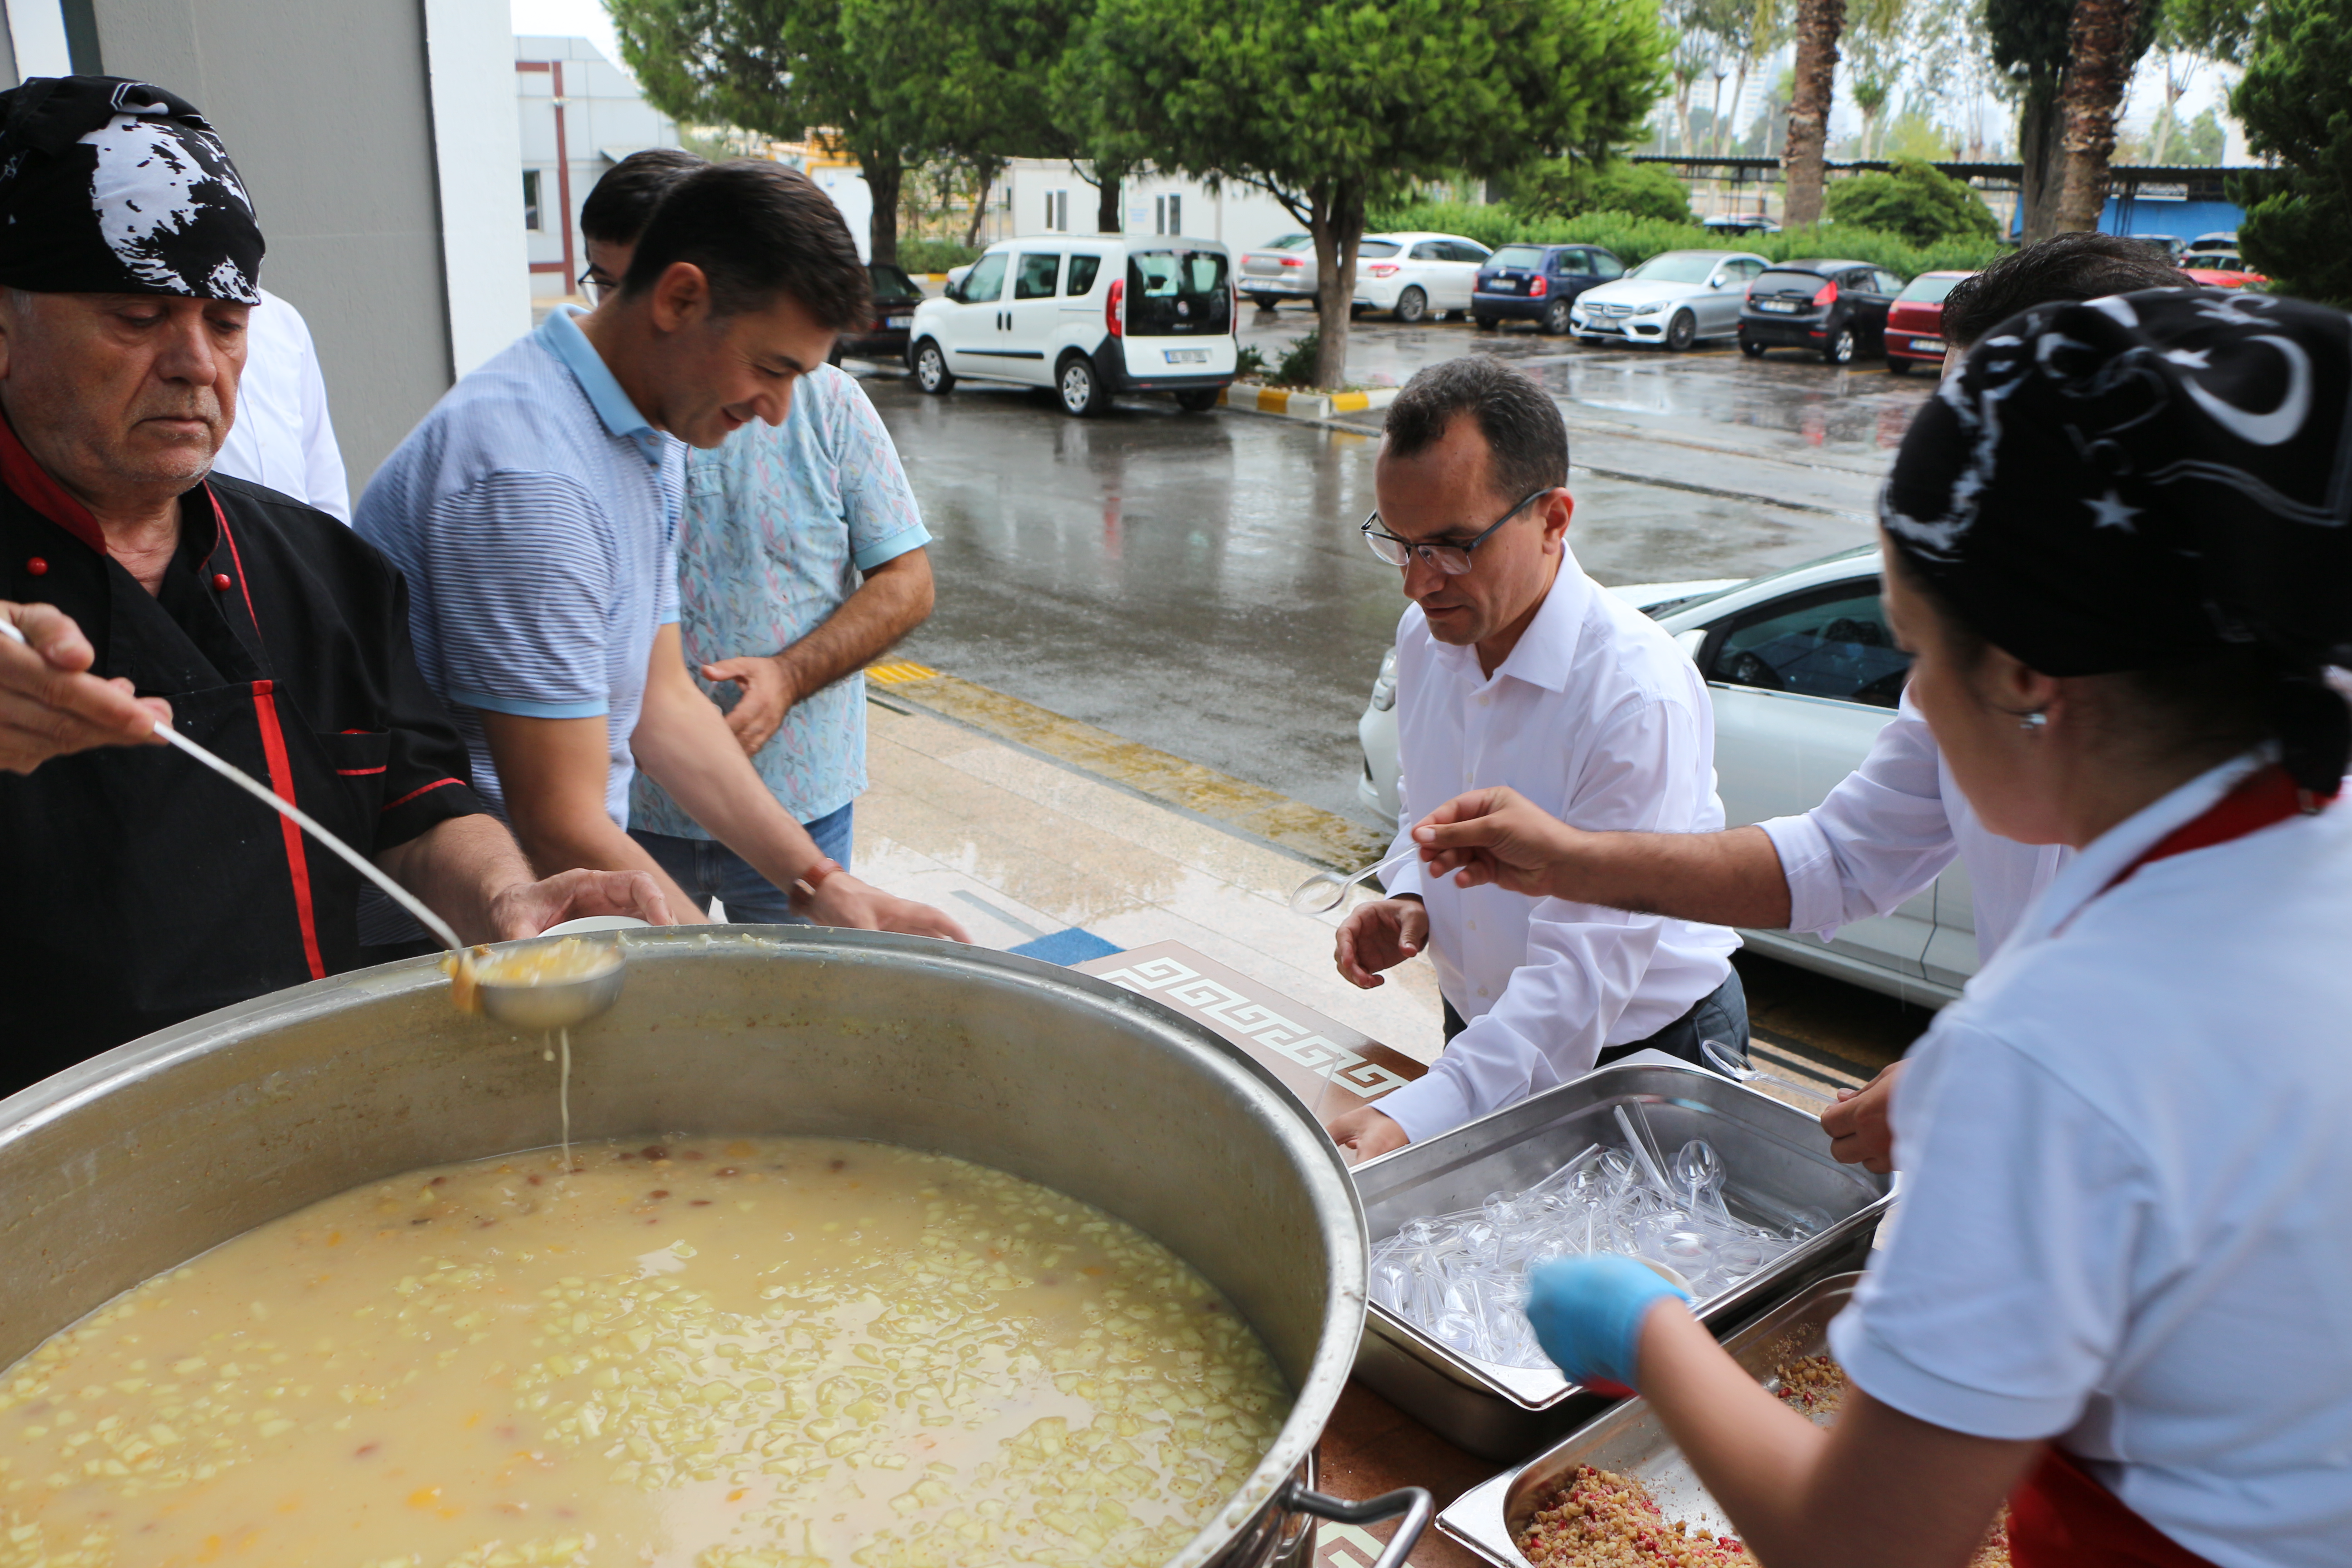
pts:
[1196, 582]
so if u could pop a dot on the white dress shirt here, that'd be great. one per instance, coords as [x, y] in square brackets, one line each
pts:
[2127, 1191]
[1889, 828]
[282, 437]
[1599, 719]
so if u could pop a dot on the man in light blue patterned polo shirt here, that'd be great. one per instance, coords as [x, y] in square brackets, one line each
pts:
[780, 524]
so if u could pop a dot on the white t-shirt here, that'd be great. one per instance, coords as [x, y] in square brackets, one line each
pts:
[1889, 828]
[281, 435]
[2128, 1194]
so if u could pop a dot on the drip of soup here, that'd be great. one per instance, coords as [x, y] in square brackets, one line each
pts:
[754, 1353]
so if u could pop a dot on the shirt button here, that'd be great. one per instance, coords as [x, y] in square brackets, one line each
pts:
[1482, 991]
[37, 567]
[221, 582]
[1485, 699]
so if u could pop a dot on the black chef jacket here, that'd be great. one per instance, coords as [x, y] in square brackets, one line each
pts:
[142, 889]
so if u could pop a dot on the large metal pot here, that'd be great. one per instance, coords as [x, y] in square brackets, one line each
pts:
[144, 1157]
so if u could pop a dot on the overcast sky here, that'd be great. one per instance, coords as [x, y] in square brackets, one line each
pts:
[567, 19]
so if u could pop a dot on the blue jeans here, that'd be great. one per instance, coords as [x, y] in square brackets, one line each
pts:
[708, 869]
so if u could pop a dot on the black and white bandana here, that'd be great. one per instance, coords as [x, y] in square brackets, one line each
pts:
[2131, 482]
[110, 186]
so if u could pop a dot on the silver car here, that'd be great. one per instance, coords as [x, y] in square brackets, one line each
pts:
[1803, 672]
[1675, 298]
[1279, 269]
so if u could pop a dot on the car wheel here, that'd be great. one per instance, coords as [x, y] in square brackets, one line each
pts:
[932, 372]
[1682, 332]
[1841, 346]
[1265, 302]
[1555, 317]
[1411, 306]
[1752, 350]
[1081, 392]
[1897, 367]
[1483, 323]
[1197, 399]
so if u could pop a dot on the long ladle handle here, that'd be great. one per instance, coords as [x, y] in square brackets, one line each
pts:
[303, 819]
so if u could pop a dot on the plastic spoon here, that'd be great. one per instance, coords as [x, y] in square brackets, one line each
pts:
[552, 1006]
[1719, 1057]
[1325, 891]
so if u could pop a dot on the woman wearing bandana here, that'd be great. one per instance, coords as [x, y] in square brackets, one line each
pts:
[2119, 545]
[140, 888]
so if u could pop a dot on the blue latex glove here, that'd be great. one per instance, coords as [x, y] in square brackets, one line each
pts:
[1586, 1313]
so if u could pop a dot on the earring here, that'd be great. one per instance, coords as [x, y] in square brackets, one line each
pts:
[2034, 723]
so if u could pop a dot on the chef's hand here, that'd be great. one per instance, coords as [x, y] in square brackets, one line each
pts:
[841, 900]
[1859, 1125]
[1495, 835]
[51, 705]
[527, 909]
[1367, 1131]
[1588, 1312]
[1377, 934]
[766, 695]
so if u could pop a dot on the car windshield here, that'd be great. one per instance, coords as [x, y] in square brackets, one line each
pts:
[1678, 266]
[1370, 247]
[1517, 256]
[1178, 293]
[1929, 291]
[891, 283]
[1293, 242]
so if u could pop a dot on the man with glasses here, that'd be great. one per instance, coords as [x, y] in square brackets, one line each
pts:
[1514, 667]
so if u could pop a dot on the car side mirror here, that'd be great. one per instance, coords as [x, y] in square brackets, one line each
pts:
[954, 291]
[1717, 282]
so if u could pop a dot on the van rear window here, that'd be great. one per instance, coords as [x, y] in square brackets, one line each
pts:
[1177, 294]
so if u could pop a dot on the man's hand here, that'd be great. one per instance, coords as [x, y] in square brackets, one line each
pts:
[526, 908]
[1367, 1131]
[1380, 934]
[767, 694]
[841, 900]
[51, 705]
[1858, 1125]
[1495, 835]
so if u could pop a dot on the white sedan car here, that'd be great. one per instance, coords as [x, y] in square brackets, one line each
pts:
[1803, 672]
[1675, 299]
[1412, 276]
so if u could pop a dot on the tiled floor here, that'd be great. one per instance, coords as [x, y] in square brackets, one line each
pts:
[1019, 847]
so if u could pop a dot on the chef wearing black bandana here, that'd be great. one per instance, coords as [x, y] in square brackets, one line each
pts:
[141, 890]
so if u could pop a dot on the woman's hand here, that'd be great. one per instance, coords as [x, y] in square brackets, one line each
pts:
[1860, 1125]
[1588, 1314]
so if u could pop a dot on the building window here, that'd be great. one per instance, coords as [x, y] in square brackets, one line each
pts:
[1168, 214]
[1058, 211]
[531, 200]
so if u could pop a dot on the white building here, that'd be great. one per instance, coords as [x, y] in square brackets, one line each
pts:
[580, 114]
[1047, 196]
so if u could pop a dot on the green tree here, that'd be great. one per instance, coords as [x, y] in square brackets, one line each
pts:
[2201, 141]
[1329, 105]
[2295, 103]
[1562, 187]
[1916, 200]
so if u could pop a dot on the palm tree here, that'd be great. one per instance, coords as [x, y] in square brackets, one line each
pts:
[1819, 23]
[2100, 53]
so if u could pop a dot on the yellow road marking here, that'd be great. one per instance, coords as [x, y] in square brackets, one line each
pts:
[899, 672]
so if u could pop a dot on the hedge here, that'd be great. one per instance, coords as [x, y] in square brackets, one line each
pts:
[935, 254]
[1635, 240]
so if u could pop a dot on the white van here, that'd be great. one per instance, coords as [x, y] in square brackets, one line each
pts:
[1090, 316]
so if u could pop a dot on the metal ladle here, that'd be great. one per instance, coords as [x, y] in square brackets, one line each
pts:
[552, 1006]
[1325, 891]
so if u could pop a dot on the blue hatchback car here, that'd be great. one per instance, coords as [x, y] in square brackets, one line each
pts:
[1538, 283]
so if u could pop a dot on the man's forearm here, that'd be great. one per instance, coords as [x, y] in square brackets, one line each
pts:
[895, 599]
[459, 867]
[1731, 879]
[684, 745]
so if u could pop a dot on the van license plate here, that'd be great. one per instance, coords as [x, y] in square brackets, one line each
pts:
[1187, 357]
[898, 321]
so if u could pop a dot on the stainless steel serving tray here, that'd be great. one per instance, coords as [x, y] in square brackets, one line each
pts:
[1779, 1160]
[1632, 1441]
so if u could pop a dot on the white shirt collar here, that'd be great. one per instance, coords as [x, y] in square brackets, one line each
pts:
[1545, 650]
[2105, 857]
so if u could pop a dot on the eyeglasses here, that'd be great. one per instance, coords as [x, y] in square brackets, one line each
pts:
[1453, 559]
[592, 283]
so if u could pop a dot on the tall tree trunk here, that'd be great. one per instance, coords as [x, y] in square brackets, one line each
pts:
[2098, 70]
[1819, 23]
[1727, 139]
[884, 175]
[986, 169]
[1335, 219]
[1683, 119]
[2039, 157]
[1109, 185]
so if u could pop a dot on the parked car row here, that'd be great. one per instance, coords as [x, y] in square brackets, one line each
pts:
[1409, 275]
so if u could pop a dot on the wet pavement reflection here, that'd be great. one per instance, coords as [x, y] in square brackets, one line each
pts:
[1197, 583]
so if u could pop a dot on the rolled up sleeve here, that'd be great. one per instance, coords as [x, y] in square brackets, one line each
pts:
[1882, 835]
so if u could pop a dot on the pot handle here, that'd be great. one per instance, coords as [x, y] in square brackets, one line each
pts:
[1413, 1502]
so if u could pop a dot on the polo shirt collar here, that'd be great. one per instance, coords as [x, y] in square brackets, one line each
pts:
[1545, 651]
[567, 342]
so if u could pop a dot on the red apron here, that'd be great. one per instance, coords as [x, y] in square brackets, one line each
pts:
[2060, 1516]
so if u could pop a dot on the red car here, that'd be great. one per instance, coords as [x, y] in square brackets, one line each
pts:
[1915, 322]
[2219, 269]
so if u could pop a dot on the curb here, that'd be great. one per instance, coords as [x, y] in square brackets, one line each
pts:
[1304, 404]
